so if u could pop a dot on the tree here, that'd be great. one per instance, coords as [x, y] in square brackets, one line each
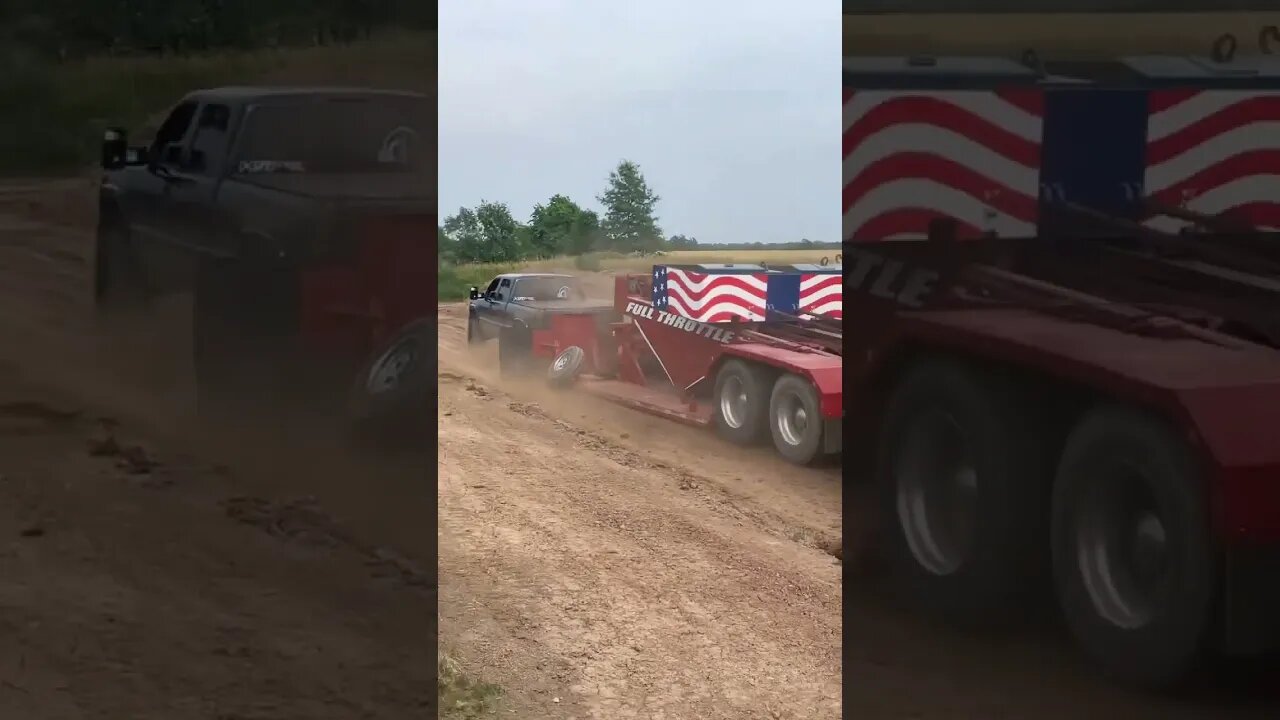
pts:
[681, 242]
[561, 227]
[463, 238]
[629, 220]
[501, 232]
[487, 234]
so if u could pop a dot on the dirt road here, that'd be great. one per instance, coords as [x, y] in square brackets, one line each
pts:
[620, 566]
[157, 568]
[605, 564]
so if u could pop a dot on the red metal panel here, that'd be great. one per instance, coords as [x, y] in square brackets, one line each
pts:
[352, 307]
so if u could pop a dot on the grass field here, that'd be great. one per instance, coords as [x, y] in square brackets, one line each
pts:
[456, 280]
[53, 116]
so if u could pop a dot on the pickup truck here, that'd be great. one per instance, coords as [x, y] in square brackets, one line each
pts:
[513, 305]
[302, 220]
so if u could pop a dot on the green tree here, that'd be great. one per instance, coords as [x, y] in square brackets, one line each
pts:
[561, 227]
[487, 234]
[629, 220]
[463, 237]
[682, 242]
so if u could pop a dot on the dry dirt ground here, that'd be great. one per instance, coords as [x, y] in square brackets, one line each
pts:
[151, 567]
[602, 563]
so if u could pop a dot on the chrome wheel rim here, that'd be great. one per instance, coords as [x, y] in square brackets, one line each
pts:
[733, 402]
[937, 492]
[389, 370]
[792, 419]
[1123, 550]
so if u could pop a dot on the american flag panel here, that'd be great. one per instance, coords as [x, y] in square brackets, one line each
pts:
[911, 156]
[822, 294]
[1214, 151]
[710, 297]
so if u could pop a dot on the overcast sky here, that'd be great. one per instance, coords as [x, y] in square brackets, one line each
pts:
[731, 109]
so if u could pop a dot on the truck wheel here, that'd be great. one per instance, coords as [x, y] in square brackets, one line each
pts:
[118, 282]
[393, 394]
[963, 479]
[794, 419]
[565, 368]
[515, 348]
[742, 402]
[1132, 557]
[473, 331]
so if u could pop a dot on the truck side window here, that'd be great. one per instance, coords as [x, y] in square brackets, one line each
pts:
[492, 290]
[209, 147]
[174, 128]
[504, 290]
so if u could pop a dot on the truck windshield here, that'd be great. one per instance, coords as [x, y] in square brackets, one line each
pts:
[547, 288]
[338, 135]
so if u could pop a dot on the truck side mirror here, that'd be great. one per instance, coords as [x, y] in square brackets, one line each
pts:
[475, 293]
[115, 147]
[136, 156]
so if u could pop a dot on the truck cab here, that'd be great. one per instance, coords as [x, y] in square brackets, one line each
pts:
[523, 299]
[240, 173]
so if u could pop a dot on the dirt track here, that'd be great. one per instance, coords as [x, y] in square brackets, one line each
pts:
[624, 566]
[632, 568]
[182, 571]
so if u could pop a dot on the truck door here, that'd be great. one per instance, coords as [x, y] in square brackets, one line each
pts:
[190, 218]
[492, 309]
[146, 205]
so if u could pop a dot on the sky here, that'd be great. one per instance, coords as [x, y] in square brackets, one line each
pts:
[731, 109]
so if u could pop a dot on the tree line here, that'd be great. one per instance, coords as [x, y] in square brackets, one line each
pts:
[70, 29]
[560, 226]
[490, 233]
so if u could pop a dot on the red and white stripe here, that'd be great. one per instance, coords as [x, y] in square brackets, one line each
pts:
[910, 157]
[717, 298]
[1214, 152]
[822, 294]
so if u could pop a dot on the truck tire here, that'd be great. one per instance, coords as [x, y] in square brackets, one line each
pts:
[566, 367]
[515, 350]
[392, 397]
[742, 402]
[118, 280]
[963, 480]
[1133, 563]
[795, 420]
[473, 331]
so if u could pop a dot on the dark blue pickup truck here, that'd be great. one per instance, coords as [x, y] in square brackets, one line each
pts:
[299, 218]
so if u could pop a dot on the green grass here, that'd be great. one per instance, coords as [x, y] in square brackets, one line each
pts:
[461, 696]
[456, 280]
[52, 116]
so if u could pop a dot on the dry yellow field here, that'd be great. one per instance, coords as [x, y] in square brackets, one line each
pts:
[609, 261]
